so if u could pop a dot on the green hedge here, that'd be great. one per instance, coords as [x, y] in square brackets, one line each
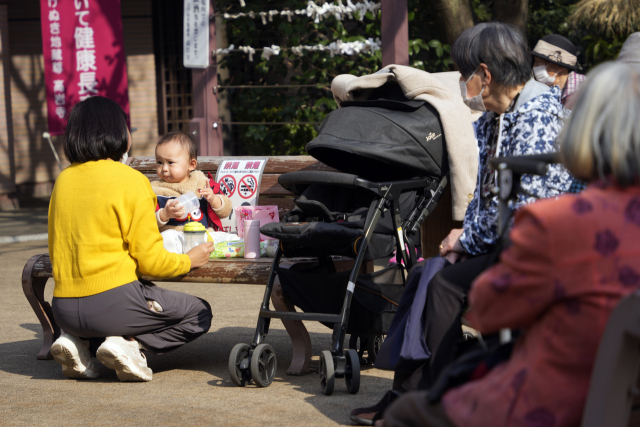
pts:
[311, 104]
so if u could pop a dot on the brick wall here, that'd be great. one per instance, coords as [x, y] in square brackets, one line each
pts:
[36, 167]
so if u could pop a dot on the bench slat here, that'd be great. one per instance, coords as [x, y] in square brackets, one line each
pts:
[268, 185]
[220, 270]
[276, 164]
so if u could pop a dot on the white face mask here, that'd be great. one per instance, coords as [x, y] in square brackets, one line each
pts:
[475, 103]
[541, 75]
[124, 158]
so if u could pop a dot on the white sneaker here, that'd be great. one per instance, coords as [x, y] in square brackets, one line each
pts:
[73, 354]
[125, 358]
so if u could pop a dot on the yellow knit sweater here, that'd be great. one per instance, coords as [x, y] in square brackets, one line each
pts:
[103, 231]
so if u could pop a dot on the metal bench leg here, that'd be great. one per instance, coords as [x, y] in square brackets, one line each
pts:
[298, 333]
[33, 288]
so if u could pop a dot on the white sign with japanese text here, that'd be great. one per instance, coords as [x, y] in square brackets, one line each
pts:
[239, 180]
[196, 34]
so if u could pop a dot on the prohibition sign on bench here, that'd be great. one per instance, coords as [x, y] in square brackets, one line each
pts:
[228, 185]
[248, 186]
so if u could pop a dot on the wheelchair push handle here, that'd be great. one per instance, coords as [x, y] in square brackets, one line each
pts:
[533, 165]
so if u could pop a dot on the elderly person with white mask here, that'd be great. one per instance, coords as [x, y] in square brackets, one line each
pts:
[520, 117]
[571, 261]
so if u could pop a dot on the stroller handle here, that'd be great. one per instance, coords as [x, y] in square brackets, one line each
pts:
[534, 165]
[292, 179]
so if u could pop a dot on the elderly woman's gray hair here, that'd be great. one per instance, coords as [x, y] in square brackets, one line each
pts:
[601, 139]
[500, 46]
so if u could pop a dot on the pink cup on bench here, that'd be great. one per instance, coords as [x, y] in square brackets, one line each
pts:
[252, 238]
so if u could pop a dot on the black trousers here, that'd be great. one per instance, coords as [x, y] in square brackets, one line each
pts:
[446, 302]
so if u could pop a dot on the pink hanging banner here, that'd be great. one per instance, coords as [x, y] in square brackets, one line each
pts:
[83, 55]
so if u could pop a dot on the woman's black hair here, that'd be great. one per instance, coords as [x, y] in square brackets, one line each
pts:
[96, 130]
[500, 46]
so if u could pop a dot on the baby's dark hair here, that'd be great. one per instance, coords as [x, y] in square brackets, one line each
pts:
[183, 139]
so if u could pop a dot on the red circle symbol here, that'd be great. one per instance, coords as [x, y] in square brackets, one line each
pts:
[248, 186]
[228, 185]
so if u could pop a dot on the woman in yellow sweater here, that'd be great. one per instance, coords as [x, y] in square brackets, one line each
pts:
[103, 236]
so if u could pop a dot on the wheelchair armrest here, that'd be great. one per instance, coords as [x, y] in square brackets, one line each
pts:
[534, 165]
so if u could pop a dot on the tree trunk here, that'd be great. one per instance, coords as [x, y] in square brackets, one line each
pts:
[454, 17]
[514, 12]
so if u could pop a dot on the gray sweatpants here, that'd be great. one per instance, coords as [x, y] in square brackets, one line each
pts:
[123, 311]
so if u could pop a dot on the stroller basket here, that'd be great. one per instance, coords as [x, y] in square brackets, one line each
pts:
[303, 239]
[374, 303]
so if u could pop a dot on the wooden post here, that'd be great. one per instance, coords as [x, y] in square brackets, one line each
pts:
[204, 124]
[8, 191]
[395, 32]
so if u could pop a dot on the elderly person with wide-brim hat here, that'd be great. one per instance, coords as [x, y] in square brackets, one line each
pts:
[555, 64]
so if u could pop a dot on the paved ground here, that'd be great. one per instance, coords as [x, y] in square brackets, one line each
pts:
[29, 220]
[190, 385]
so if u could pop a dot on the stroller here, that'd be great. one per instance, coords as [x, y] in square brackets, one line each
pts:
[391, 179]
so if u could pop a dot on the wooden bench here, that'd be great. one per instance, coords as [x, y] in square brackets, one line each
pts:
[38, 269]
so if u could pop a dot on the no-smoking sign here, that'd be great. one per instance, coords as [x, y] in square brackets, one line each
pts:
[228, 185]
[239, 179]
[247, 186]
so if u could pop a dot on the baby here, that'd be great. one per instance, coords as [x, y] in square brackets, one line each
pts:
[176, 162]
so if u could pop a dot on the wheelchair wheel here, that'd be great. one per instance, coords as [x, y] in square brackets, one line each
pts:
[327, 373]
[352, 371]
[359, 344]
[263, 365]
[239, 376]
[373, 347]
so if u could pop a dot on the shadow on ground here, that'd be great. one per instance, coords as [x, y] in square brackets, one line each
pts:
[208, 354]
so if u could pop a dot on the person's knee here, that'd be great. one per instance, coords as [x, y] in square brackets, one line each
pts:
[205, 315]
[441, 284]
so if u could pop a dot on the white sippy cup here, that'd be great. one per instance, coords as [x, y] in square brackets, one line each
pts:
[189, 201]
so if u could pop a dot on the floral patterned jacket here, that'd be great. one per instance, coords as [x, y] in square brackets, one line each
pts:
[531, 128]
[570, 263]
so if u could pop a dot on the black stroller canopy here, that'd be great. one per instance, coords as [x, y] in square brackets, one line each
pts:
[384, 138]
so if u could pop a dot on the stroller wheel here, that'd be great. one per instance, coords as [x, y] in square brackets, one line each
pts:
[239, 376]
[373, 347]
[327, 373]
[263, 365]
[352, 371]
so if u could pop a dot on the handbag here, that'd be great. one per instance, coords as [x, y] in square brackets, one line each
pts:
[471, 365]
[266, 215]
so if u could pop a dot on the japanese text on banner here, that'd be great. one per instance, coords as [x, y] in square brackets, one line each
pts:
[78, 64]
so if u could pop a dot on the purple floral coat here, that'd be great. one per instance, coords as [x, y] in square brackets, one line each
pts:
[571, 261]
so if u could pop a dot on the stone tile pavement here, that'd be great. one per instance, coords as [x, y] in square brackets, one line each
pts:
[190, 386]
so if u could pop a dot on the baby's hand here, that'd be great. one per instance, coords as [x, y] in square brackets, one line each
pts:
[213, 199]
[172, 210]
